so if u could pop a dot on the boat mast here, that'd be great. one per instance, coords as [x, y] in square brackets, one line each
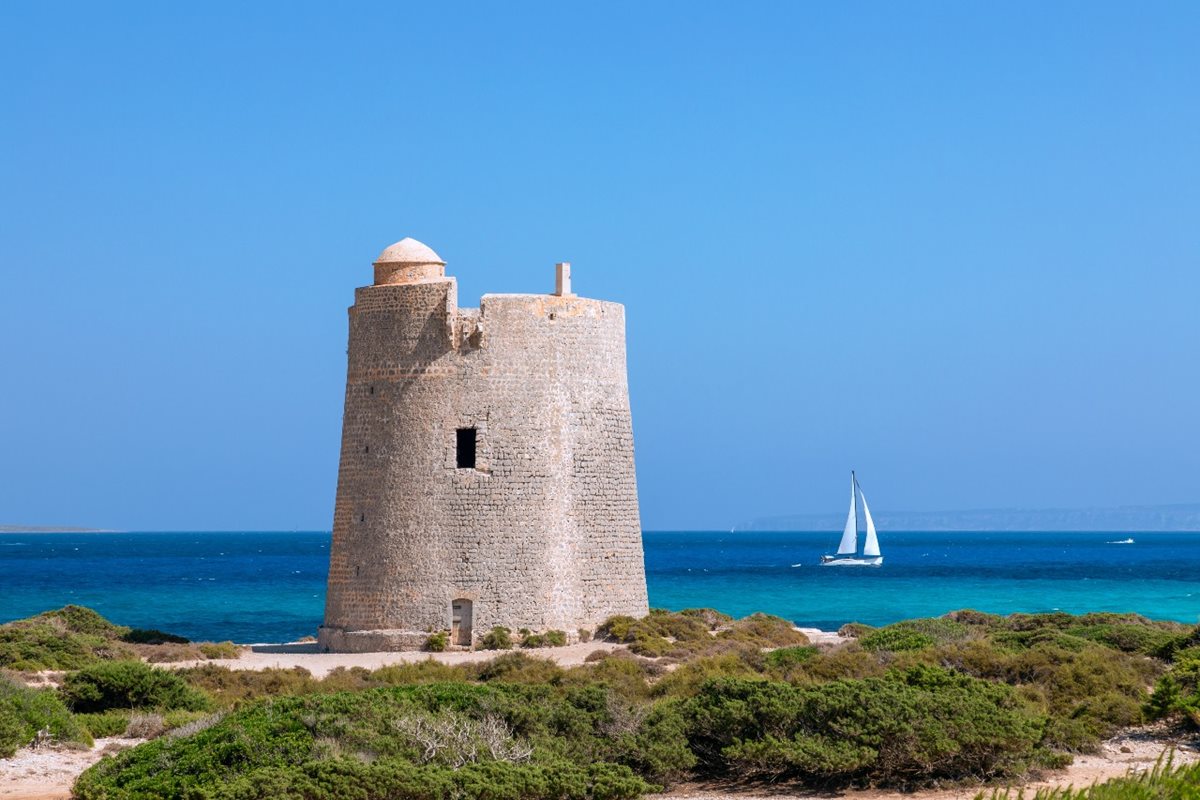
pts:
[855, 493]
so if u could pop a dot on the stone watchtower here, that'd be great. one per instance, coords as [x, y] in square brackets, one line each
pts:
[487, 470]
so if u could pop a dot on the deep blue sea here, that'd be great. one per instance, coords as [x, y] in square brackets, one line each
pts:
[263, 587]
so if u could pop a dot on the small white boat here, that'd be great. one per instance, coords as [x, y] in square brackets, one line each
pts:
[1123, 541]
[847, 552]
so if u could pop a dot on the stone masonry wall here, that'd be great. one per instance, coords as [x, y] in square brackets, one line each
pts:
[544, 533]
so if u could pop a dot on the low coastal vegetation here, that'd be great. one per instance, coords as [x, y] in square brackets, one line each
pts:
[73, 637]
[694, 695]
[501, 638]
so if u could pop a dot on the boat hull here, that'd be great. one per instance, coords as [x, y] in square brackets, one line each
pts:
[830, 561]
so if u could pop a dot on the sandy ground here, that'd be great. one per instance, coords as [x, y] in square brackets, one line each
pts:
[306, 655]
[820, 637]
[46, 773]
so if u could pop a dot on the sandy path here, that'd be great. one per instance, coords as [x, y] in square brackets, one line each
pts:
[46, 773]
[306, 655]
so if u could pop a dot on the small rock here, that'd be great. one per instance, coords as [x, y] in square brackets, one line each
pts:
[1126, 748]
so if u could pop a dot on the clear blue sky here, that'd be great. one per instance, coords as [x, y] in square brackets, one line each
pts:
[952, 245]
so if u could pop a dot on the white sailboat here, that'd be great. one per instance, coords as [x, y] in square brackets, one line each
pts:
[848, 547]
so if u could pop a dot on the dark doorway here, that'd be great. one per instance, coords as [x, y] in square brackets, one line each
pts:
[460, 622]
[465, 448]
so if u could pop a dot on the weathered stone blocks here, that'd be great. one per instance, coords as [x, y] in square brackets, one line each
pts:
[543, 533]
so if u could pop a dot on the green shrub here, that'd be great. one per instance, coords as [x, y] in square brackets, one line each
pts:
[942, 630]
[68, 638]
[1040, 637]
[627, 677]
[1087, 690]
[152, 636]
[712, 618]
[764, 630]
[234, 687]
[903, 729]
[400, 780]
[129, 684]
[1182, 641]
[1030, 622]
[1177, 693]
[849, 661]
[432, 741]
[584, 635]
[691, 633]
[914, 634]
[616, 628]
[520, 668]
[854, 630]
[786, 657]
[652, 646]
[74, 637]
[552, 638]
[968, 616]
[656, 746]
[24, 712]
[680, 627]
[1126, 638]
[79, 619]
[437, 642]
[498, 638]
[688, 678]
[427, 671]
[105, 723]
[895, 639]
[219, 649]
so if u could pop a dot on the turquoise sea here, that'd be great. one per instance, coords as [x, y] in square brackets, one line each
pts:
[263, 587]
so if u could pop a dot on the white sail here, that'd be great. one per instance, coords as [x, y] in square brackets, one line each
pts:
[871, 548]
[849, 541]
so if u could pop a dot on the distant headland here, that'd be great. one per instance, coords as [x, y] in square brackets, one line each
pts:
[49, 529]
[1165, 518]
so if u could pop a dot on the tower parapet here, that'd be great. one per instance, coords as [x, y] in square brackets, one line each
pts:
[487, 473]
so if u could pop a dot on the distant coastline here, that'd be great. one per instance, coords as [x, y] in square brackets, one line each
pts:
[1180, 518]
[50, 529]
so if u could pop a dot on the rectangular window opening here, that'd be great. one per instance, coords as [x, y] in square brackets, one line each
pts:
[465, 448]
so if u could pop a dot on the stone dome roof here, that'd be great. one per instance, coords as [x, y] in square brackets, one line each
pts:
[409, 251]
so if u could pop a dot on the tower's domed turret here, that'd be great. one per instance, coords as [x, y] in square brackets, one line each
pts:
[408, 261]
